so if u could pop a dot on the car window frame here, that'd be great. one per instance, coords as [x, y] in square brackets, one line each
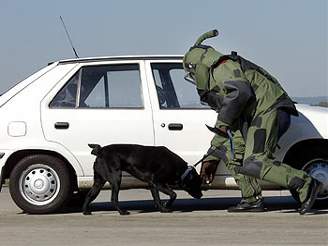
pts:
[79, 68]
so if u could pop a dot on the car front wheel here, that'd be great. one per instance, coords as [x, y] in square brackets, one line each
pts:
[40, 184]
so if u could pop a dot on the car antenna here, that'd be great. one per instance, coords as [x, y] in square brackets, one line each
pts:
[69, 38]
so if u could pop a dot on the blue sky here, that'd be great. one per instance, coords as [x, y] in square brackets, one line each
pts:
[286, 37]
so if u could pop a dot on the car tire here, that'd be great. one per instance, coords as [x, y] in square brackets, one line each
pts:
[316, 168]
[40, 184]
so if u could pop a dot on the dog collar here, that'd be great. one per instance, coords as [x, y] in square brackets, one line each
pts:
[185, 174]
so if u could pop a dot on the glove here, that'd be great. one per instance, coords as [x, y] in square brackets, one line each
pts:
[208, 170]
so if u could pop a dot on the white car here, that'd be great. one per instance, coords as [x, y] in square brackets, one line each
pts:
[48, 119]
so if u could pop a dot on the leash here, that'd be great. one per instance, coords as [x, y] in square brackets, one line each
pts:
[204, 157]
[232, 146]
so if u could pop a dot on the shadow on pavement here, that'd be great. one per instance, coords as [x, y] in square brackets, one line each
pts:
[284, 203]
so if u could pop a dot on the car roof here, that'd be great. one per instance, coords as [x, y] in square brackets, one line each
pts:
[128, 57]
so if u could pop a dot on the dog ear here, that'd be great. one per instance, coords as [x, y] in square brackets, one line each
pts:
[95, 149]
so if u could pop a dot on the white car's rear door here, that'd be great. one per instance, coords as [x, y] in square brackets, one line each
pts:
[101, 103]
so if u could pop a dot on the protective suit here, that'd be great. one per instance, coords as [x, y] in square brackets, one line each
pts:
[250, 100]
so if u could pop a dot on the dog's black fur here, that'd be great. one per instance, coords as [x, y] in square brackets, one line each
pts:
[157, 166]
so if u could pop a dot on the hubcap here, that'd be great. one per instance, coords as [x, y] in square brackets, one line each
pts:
[319, 171]
[39, 184]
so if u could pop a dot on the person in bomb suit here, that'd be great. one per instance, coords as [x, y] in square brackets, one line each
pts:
[250, 100]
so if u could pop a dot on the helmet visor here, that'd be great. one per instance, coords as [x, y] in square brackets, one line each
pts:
[190, 78]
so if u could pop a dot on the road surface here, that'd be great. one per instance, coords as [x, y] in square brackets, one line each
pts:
[194, 222]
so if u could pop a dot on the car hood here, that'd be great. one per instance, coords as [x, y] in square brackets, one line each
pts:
[317, 115]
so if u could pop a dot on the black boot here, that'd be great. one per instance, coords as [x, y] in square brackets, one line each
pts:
[314, 190]
[245, 206]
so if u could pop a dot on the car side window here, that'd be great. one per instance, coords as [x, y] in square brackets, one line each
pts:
[66, 97]
[173, 91]
[105, 86]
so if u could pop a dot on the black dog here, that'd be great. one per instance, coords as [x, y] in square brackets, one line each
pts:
[157, 166]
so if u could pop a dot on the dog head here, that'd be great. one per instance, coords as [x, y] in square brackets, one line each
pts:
[191, 182]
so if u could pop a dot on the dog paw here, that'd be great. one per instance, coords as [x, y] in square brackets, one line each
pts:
[167, 205]
[124, 212]
[166, 210]
[87, 213]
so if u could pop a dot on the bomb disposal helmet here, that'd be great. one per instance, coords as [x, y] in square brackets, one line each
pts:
[199, 59]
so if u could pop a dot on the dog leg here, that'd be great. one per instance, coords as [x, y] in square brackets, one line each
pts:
[93, 193]
[115, 181]
[168, 191]
[155, 193]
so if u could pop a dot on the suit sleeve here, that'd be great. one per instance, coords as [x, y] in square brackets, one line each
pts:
[217, 143]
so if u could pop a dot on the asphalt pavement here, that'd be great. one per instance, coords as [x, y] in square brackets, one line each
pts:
[193, 222]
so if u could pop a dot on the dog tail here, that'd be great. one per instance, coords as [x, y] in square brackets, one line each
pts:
[95, 149]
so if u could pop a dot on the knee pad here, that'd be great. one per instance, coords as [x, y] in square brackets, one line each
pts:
[259, 141]
[251, 167]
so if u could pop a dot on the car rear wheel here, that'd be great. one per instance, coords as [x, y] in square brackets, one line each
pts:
[40, 184]
[318, 169]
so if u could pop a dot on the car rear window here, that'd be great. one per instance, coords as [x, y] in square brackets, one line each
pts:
[104, 86]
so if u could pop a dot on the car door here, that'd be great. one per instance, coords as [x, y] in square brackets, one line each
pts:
[101, 103]
[179, 116]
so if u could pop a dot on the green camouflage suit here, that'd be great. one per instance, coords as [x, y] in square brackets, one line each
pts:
[248, 99]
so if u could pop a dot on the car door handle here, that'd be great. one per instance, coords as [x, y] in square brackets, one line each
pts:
[175, 127]
[61, 125]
